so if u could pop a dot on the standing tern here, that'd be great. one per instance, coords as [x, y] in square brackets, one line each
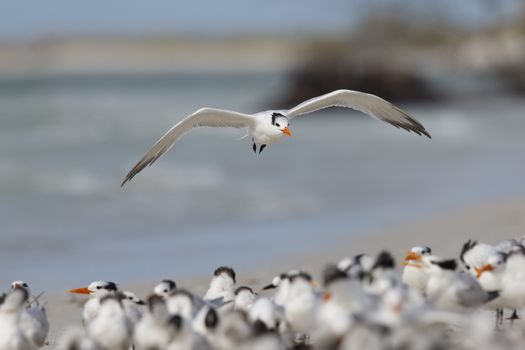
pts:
[413, 273]
[222, 287]
[270, 126]
[96, 291]
[12, 336]
[133, 306]
[33, 320]
[450, 290]
[507, 273]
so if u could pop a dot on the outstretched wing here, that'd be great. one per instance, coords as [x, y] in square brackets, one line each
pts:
[211, 117]
[370, 104]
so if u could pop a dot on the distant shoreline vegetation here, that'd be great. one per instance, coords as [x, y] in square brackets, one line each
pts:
[396, 60]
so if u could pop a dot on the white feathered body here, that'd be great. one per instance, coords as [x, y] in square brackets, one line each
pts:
[110, 327]
[35, 325]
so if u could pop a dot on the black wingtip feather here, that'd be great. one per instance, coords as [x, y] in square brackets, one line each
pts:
[466, 247]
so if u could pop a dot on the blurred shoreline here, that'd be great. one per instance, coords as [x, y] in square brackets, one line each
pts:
[398, 62]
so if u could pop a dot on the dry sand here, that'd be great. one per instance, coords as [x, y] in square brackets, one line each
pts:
[489, 222]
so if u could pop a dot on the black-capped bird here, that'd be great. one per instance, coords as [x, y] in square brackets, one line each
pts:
[270, 126]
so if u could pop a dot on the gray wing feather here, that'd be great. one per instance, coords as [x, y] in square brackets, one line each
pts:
[210, 117]
[470, 293]
[369, 104]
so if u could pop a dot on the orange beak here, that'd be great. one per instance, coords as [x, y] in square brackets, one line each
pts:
[487, 267]
[411, 259]
[412, 256]
[287, 131]
[327, 296]
[80, 291]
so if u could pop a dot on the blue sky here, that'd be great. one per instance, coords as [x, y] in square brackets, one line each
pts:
[41, 18]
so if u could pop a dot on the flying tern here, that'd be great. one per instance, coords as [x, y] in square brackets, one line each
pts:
[270, 126]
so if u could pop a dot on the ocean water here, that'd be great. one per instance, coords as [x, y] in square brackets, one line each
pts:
[67, 142]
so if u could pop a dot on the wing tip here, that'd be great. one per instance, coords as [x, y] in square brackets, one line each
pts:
[128, 178]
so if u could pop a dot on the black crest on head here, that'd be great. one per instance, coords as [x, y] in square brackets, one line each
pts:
[171, 284]
[427, 249]
[275, 115]
[384, 260]
[110, 286]
[227, 270]
[332, 274]
[212, 318]
[446, 264]
[301, 274]
[466, 247]
[241, 288]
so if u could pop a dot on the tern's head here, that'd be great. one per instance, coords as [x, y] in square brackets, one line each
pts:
[280, 122]
[474, 255]
[98, 289]
[332, 274]
[21, 284]
[244, 298]
[357, 266]
[384, 262]
[301, 278]
[243, 291]
[132, 297]
[413, 258]
[494, 263]
[223, 278]
[276, 281]
[165, 288]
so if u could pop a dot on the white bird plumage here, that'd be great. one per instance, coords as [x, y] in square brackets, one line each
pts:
[262, 126]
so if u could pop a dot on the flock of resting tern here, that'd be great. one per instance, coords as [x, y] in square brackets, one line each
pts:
[360, 303]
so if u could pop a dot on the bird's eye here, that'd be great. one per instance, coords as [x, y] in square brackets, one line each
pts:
[467, 267]
[25, 285]
[99, 287]
[278, 125]
[130, 298]
[165, 291]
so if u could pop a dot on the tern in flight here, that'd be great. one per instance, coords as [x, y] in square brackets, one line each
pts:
[269, 126]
